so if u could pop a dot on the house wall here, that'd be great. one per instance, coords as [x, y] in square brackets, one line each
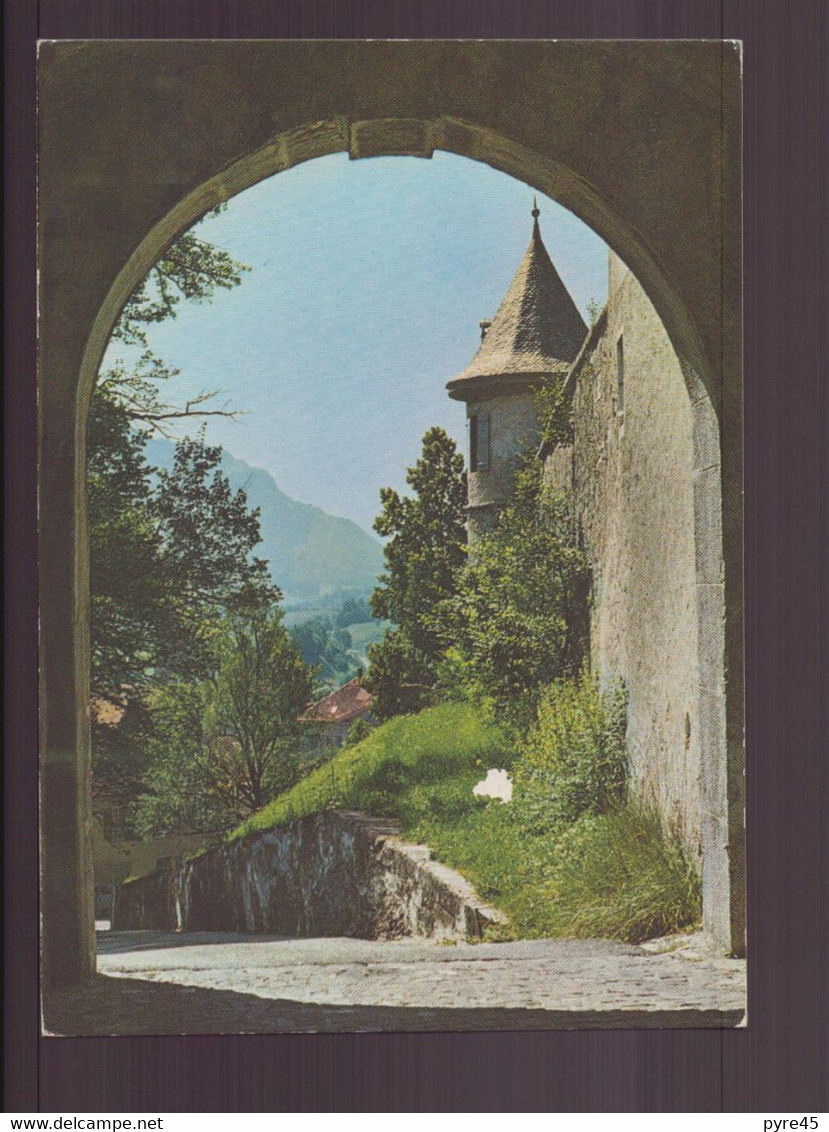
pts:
[632, 474]
[115, 859]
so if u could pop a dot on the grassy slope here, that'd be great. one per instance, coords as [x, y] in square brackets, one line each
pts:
[411, 767]
[614, 875]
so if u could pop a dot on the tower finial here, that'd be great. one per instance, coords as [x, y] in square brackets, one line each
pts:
[536, 211]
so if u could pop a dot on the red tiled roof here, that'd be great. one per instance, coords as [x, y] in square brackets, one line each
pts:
[348, 702]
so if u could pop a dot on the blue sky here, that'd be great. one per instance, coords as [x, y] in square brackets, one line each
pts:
[368, 281]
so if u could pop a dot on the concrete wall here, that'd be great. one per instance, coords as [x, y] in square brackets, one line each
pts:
[632, 473]
[331, 874]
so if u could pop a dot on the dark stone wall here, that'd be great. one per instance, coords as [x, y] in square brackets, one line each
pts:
[330, 874]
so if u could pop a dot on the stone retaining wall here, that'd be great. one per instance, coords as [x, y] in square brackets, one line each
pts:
[330, 874]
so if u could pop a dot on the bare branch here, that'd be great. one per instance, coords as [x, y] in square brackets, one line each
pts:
[152, 418]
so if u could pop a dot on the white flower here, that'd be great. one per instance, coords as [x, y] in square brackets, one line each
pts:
[497, 784]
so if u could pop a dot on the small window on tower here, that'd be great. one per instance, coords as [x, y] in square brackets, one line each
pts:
[620, 375]
[479, 442]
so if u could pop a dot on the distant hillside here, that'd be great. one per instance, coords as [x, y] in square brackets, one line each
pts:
[311, 552]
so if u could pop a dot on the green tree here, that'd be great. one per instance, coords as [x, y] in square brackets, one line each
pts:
[169, 551]
[260, 687]
[183, 786]
[425, 549]
[191, 268]
[121, 730]
[520, 619]
[225, 746]
[353, 611]
[398, 675]
[327, 650]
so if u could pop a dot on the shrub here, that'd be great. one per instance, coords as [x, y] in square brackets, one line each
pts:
[520, 617]
[574, 761]
[396, 672]
[618, 875]
[359, 730]
[622, 875]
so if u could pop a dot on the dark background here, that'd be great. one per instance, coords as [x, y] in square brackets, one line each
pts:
[781, 1061]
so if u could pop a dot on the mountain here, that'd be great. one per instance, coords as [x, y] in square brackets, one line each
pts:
[311, 553]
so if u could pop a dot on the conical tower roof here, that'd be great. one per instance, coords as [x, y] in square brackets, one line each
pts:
[537, 330]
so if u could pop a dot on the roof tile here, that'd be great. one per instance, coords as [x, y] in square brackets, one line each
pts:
[537, 329]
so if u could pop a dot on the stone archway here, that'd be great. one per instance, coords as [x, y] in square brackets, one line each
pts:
[139, 139]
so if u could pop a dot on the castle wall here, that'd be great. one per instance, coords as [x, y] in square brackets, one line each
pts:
[633, 481]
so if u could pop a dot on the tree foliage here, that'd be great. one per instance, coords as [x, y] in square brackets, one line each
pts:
[208, 530]
[120, 733]
[398, 675]
[327, 650]
[224, 746]
[169, 550]
[426, 535]
[425, 548]
[353, 611]
[137, 387]
[191, 269]
[519, 619]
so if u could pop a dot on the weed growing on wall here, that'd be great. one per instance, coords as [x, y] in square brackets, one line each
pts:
[555, 412]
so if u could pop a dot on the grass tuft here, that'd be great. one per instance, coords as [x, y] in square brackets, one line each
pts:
[622, 875]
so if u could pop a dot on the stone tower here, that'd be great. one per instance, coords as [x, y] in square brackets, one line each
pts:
[537, 332]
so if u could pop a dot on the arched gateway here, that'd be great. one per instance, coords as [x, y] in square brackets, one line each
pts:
[138, 139]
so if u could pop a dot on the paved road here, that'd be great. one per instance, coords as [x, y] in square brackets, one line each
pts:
[157, 982]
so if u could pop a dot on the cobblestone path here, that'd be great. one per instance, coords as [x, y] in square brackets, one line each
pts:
[158, 982]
